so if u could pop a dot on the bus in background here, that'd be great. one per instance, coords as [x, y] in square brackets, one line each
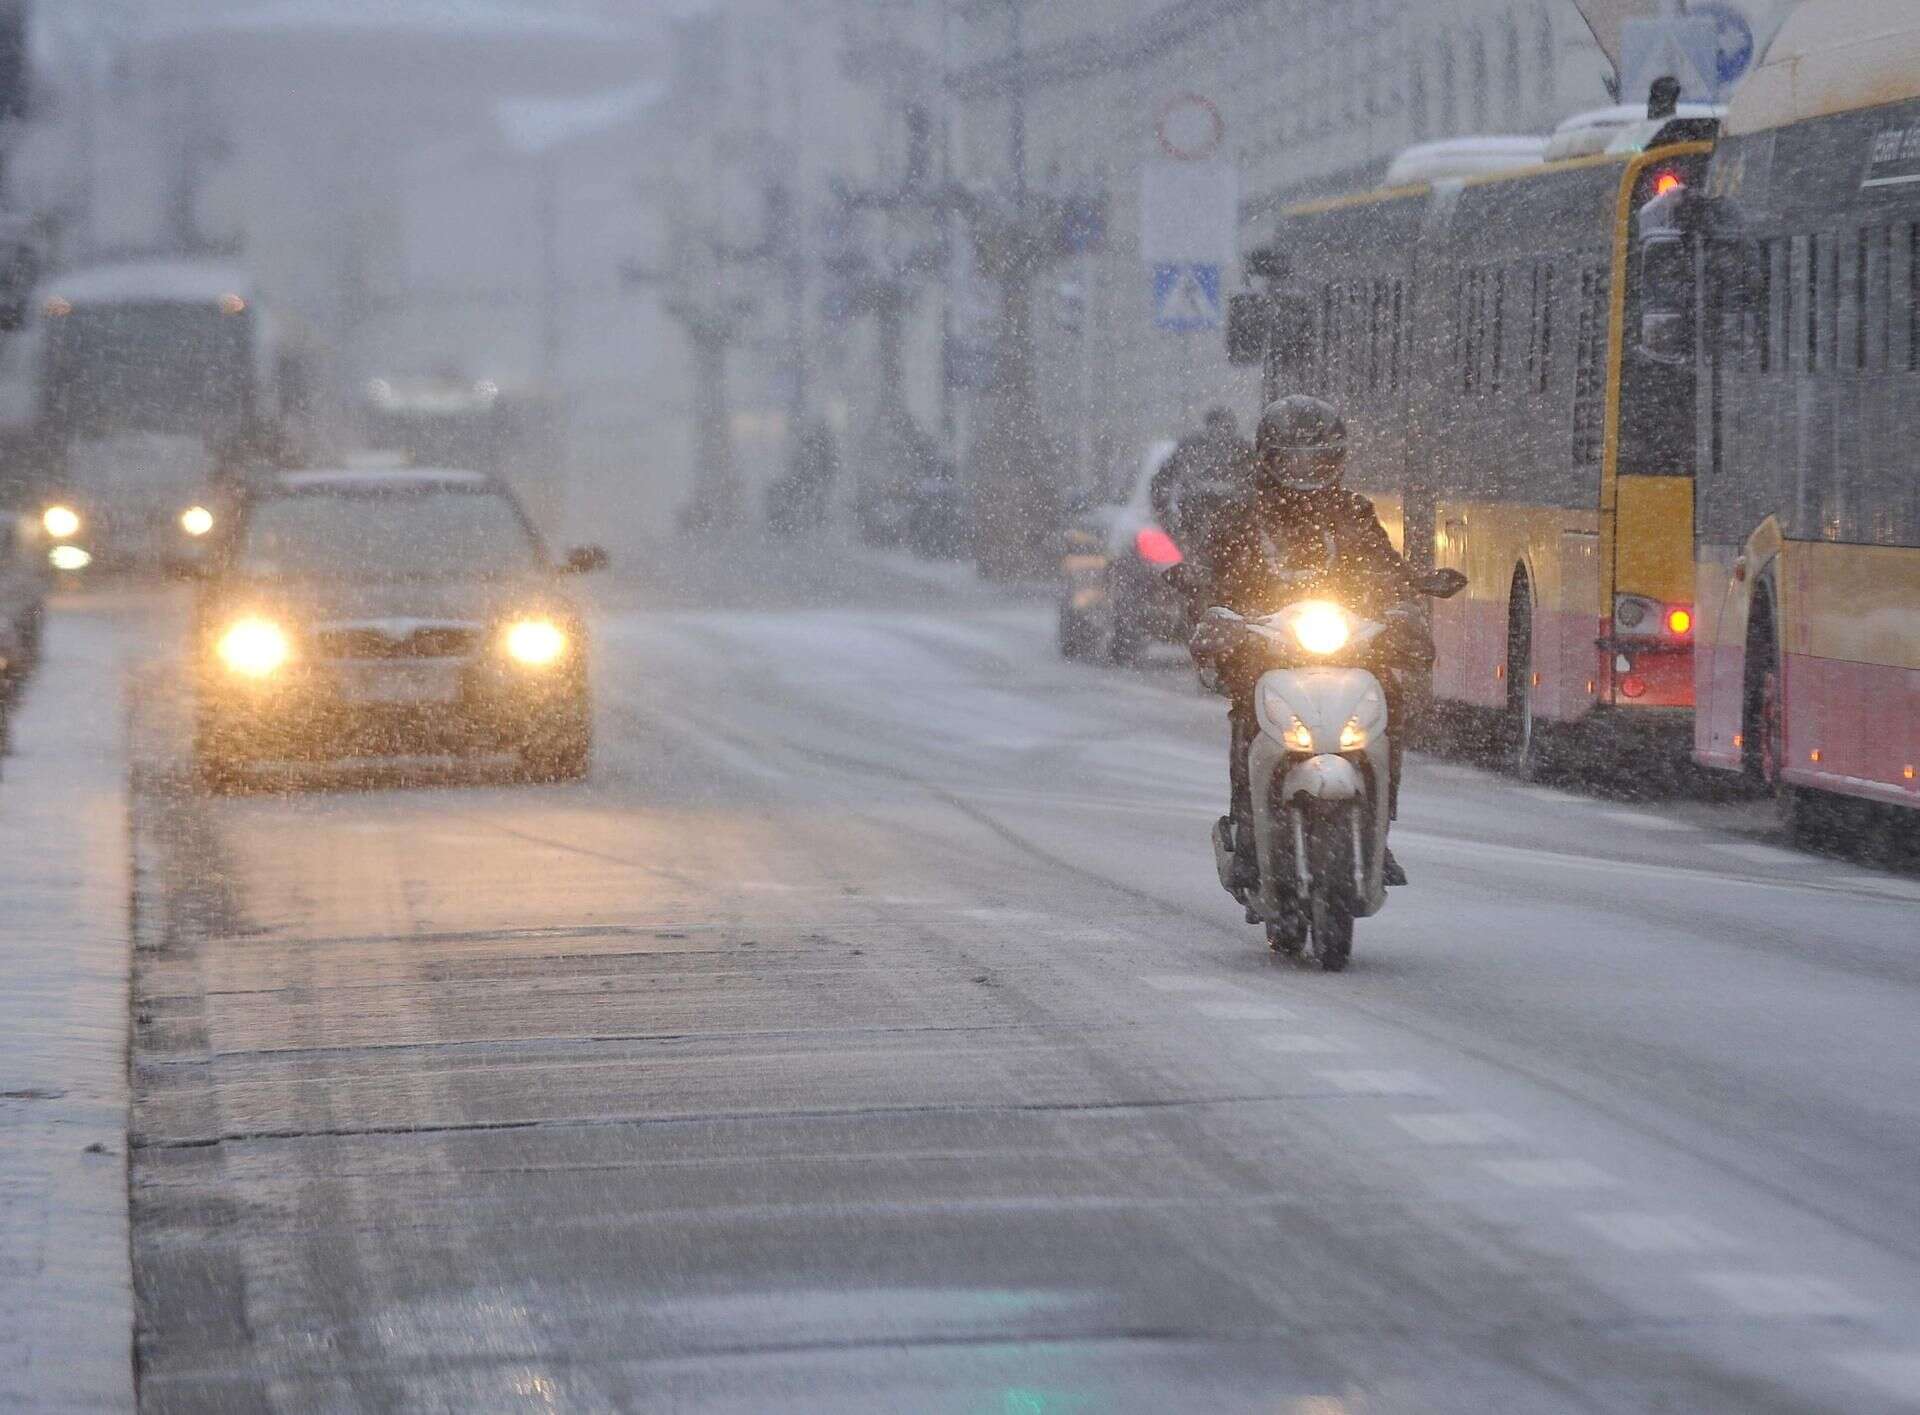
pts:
[1797, 271]
[1470, 327]
[476, 425]
[142, 392]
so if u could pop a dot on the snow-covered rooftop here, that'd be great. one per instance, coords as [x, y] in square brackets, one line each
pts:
[185, 281]
[449, 19]
[533, 125]
[1464, 157]
[378, 478]
[1591, 132]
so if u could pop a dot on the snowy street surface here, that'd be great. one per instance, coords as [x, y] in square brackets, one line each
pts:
[870, 1033]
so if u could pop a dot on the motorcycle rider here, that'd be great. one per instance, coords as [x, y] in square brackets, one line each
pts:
[1207, 470]
[1295, 518]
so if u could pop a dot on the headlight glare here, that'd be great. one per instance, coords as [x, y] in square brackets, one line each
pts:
[69, 557]
[254, 648]
[196, 520]
[61, 522]
[534, 642]
[1321, 626]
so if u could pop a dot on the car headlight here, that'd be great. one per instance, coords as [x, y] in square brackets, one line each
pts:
[61, 522]
[1321, 627]
[196, 520]
[254, 648]
[534, 642]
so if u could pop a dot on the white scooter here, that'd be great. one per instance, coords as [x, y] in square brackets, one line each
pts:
[1319, 771]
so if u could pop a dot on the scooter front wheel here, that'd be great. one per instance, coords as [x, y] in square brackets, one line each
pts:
[1332, 934]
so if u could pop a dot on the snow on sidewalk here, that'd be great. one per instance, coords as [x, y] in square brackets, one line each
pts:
[66, 1324]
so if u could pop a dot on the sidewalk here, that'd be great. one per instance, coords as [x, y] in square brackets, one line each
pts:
[66, 1322]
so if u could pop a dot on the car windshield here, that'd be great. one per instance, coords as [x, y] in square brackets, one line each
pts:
[436, 533]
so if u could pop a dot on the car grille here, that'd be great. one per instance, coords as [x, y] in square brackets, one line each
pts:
[432, 641]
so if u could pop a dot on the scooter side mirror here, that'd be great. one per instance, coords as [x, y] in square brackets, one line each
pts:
[1441, 584]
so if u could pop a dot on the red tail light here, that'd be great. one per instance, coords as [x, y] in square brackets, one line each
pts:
[1156, 547]
[1667, 181]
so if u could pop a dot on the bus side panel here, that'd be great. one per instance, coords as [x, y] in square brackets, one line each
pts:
[1488, 543]
[1721, 607]
[1569, 694]
[1470, 630]
[1853, 669]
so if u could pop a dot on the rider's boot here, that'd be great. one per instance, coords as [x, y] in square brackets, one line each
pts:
[1390, 872]
[1246, 860]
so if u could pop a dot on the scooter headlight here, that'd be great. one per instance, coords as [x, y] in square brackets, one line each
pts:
[61, 522]
[1321, 626]
[254, 647]
[1353, 736]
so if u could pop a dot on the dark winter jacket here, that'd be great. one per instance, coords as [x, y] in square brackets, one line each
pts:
[1272, 547]
[1205, 473]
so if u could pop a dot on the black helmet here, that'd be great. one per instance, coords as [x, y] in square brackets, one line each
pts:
[1301, 444]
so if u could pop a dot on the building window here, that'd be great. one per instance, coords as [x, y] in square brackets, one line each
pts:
[1477, 62]
[1416, 96]
[1516, 96]
[1544, 59]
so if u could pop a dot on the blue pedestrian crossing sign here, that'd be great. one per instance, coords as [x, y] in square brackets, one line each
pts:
[1186, 297]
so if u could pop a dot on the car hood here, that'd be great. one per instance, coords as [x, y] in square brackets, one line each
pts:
[438, 601]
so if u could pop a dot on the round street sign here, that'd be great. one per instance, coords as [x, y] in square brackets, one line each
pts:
[1189, 127]
[1733, 36]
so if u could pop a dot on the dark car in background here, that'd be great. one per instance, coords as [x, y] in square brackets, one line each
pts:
[377, 613]
[23, 580]
[1114, 598]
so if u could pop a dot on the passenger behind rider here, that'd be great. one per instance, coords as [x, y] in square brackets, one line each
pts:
[1206, 470]
[1294, 518]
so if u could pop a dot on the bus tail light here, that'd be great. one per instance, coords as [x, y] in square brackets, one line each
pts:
[1156, 547]
[1636, 616]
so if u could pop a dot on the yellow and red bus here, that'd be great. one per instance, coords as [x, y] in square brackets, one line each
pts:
[1806, 243]
[1475, 331]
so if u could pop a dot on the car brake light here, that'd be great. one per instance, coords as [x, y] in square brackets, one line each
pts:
[1667, 182]
[1156, 547]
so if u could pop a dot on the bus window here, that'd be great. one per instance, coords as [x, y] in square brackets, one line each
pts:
[1589, 376]
[1666, 299]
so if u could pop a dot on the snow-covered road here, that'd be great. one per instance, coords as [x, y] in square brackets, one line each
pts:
[870, 1033]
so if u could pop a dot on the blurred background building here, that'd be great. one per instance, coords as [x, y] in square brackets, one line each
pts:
[729, 240]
